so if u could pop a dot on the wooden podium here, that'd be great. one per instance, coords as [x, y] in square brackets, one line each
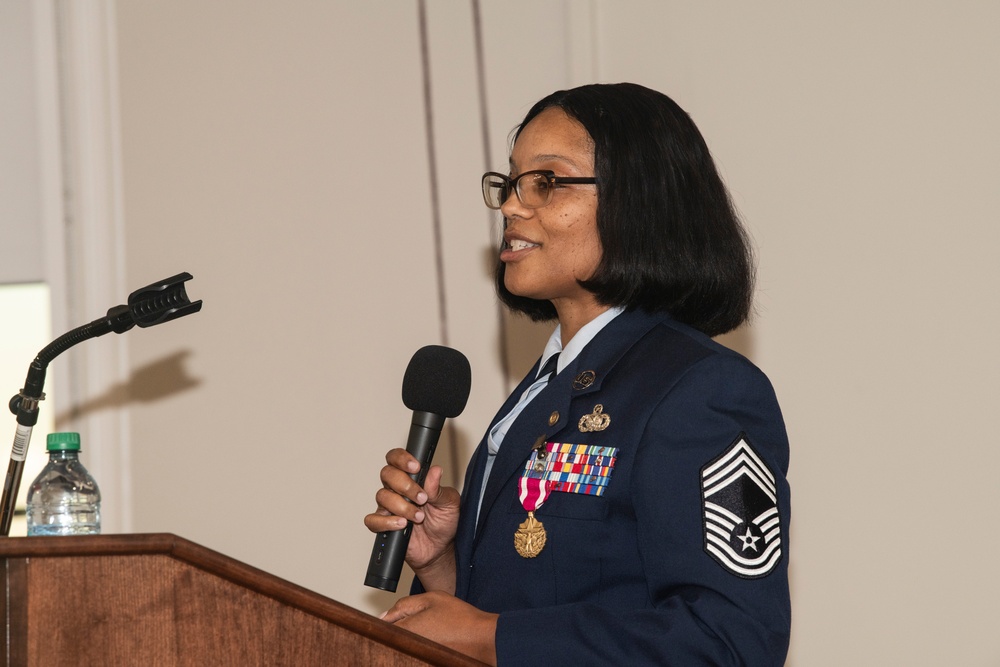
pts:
[157, 599]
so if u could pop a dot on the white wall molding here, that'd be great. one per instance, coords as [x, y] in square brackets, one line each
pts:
[50, 159]
[93, 266]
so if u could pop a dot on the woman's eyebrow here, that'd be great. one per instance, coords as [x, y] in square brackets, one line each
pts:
[546, 157]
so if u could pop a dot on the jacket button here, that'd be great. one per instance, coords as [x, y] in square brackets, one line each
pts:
[553, 418]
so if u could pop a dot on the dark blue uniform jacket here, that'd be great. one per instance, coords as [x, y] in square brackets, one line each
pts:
[631, 577]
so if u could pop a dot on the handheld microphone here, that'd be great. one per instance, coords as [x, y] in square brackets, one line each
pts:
[435, 386]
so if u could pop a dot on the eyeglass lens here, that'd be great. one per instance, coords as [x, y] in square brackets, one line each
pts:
[533, 189]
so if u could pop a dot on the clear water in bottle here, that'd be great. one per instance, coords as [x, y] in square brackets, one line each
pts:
[64, 498]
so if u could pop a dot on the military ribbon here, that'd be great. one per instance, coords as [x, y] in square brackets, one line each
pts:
[529, 540]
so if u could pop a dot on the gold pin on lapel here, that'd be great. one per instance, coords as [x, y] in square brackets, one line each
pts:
[584, 380]
[597, 420]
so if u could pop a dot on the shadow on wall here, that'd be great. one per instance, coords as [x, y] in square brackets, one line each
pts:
[741, 340]
[525, 341]
[159, 379]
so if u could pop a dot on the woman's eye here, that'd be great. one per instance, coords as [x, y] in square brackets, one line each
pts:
[540, 184]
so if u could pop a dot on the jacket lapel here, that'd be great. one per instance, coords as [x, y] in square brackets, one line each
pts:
[548, 412]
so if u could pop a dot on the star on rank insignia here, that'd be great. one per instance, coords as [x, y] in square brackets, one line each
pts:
[740, 508]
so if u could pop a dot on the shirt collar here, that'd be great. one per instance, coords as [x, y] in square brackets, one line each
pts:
[578, 342]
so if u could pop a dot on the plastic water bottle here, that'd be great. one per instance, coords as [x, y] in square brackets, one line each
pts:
[64, 498]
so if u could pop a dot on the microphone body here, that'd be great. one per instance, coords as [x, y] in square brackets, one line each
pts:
[435, 386]
[386, 562]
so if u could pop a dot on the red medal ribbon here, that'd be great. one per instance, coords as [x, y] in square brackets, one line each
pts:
[533, 492]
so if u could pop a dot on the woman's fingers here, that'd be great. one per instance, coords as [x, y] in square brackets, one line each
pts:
[400, 497]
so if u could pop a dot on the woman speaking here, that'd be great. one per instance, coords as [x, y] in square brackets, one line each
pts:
[628, 503]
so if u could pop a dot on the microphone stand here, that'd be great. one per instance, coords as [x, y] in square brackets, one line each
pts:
[154, 304]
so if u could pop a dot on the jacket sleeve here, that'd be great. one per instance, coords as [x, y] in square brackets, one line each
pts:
[702, 609]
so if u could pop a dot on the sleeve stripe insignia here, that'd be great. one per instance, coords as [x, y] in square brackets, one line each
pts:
[742, 527]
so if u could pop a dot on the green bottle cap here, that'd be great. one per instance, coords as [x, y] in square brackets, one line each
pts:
[57, 442]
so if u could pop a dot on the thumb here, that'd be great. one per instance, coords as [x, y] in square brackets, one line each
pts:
[432, 483]
[407, 606]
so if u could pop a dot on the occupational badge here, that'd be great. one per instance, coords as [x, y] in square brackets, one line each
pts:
[584, 380]
[597, 420]
[740, 507]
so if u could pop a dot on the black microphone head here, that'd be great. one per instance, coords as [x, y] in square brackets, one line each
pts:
[437, 380]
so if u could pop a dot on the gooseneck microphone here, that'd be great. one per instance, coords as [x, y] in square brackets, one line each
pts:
[435, 386]
[151, 305]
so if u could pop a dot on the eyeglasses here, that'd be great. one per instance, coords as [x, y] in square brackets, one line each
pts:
[533, 188]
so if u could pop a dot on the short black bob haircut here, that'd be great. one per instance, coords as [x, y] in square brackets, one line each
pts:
[671, 238]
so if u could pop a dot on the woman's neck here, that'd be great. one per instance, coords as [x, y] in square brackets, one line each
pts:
[574, 316]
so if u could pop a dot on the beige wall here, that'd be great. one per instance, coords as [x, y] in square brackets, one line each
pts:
[278, 151]
[861, 142]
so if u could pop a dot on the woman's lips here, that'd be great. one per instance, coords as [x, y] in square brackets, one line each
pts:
[515, 248]
[520, 244]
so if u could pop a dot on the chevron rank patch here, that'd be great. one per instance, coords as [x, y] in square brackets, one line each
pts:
[740, 506]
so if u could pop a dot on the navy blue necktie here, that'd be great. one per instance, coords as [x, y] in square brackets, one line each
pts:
[549, 367]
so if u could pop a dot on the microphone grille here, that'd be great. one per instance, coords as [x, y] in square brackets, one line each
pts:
[437, 380]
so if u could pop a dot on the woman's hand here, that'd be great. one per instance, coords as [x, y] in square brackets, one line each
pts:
[447, 620]
[433, 510]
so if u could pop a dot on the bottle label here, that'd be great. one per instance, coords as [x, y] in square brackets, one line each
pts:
[21, 438]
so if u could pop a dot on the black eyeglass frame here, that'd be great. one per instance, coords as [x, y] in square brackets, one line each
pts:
[512, 185]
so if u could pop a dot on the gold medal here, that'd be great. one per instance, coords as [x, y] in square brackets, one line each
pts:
[533, 489]
[529, 540]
